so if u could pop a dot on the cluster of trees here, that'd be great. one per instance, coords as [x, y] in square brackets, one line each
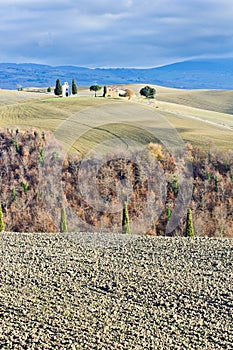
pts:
[189, 229]
[147, 91]
[58, 88]
[74, 88]
[127, 92]
[32, 171]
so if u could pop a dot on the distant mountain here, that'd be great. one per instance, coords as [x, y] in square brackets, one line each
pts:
[194, 74]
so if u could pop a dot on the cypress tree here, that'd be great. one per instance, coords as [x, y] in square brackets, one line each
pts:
[13, 194]
[74, 88]
[2, 226]
[189, 224]
[168, 213]
[58, 88]
[125, 219]
[105, 91]
[63, 224]
[216, 183]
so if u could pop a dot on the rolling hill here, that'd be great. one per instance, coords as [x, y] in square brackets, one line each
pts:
[199, 116]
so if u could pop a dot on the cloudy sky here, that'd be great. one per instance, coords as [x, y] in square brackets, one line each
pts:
[114, 33]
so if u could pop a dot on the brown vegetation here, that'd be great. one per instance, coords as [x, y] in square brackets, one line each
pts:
[128, 93]
[37, 181]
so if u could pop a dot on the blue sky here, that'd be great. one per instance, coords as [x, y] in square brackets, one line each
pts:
[122, 33]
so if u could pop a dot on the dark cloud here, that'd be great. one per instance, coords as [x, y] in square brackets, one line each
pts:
[117, 33]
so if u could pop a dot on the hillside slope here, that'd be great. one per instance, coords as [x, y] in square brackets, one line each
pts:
[200, 117]
[212, 100]
[38, 179]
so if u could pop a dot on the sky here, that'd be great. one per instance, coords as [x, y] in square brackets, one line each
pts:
[114, 33]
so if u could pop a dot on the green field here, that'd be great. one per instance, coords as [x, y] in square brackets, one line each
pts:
[84, 122]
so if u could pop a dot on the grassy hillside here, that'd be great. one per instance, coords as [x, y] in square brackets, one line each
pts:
[212, 100]
[200, 117]
[8, 97]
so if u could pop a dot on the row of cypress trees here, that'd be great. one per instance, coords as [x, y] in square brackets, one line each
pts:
[189, 230]
[125, 220]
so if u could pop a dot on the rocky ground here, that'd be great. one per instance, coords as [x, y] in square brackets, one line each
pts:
[115, 292]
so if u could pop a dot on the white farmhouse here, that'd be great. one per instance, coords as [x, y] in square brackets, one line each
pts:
[66, 90]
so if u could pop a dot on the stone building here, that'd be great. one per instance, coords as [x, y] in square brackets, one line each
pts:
[112, 91]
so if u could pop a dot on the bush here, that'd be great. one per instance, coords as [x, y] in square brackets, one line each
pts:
[128, 93]
[156, 150]
[25, 186]
[148, 92]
